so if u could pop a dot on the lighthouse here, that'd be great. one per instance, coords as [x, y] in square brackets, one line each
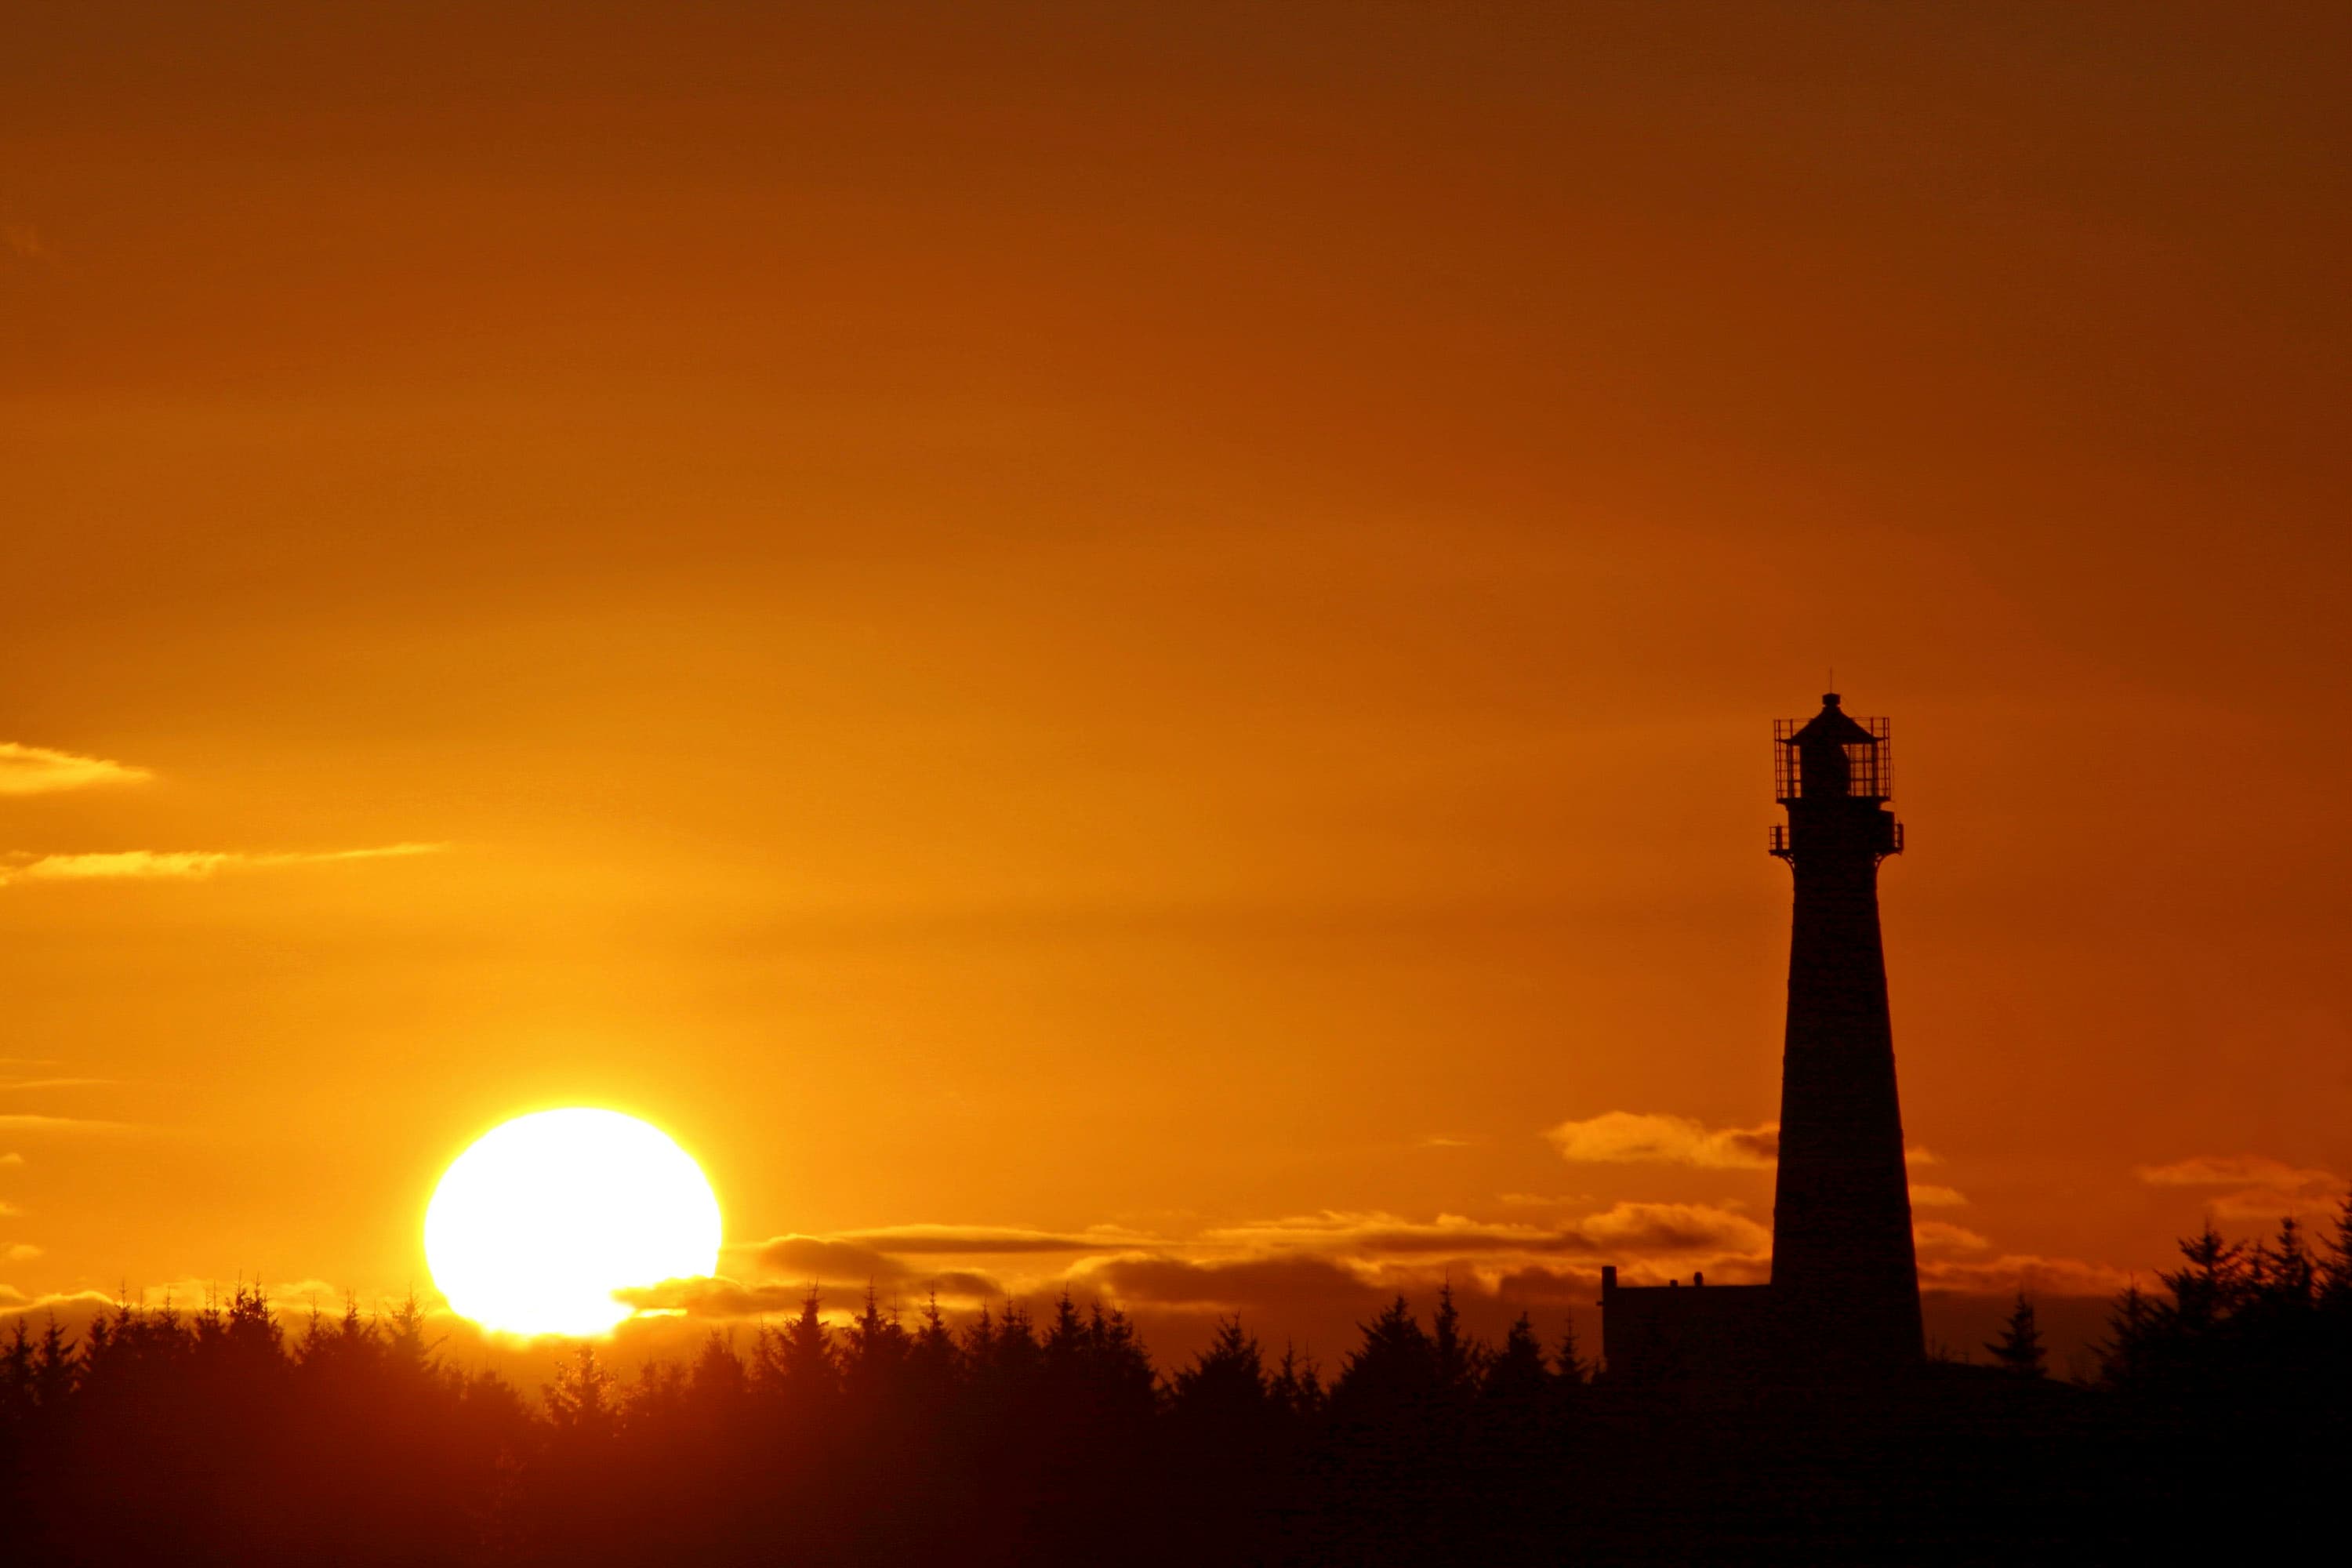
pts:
[1843, 1303]
[1845, 1279]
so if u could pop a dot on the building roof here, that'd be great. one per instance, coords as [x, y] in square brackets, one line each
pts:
[1830, 724]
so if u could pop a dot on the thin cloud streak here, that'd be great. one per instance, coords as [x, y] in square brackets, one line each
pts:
[25, 1122]
[1629, 1138]
[979, 1239]
[185, 864]
[37, 770]
[2233, 1171]
[1649, 1138]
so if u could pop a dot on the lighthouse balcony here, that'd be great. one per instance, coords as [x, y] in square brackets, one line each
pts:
[1890, 842]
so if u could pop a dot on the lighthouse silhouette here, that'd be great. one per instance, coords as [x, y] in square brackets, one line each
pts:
[1844, 1275]
[1843, 1301]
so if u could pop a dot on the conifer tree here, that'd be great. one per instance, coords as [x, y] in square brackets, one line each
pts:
[1568, 1362]
[1515, 1376]
[16, 1373]
[1227, 1381]
[2335, 1269]
[1458, 1359]
[933, 1362]
[579, 1401]
[2124, 1355]
[1119, 1369]
[407, 1355]
[2209, 1291]
[874, 1355]
[55, 1371]
[2018, 1349]
[797, 1360]
[1392, 1374]
[1295, 1387]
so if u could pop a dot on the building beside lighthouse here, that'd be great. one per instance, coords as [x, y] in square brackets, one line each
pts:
[1843, 1300]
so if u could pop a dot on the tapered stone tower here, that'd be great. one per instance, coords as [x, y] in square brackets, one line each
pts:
[1845, 1279]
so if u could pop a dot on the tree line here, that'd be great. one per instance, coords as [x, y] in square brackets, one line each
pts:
[1014, 1438]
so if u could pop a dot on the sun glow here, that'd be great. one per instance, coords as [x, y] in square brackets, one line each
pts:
[534, 1228]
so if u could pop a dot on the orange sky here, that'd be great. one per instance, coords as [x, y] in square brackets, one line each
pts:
[1157, 625]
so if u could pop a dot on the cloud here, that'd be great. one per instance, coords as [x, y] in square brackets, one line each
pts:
[2233, 1171]
[2266, 1189]
[8, 1210]
[1645, 1228]
[182, 865]
[1437, 1141]
[1627, 1138]
[1630, 1229]
[37, 770]
[979, 1239]
[815, 1258]
[717, 1297]
[26, 1121]
[23, 1252]
[15, 1300]
[1354, 1260]
[1936, 1235]
[1549, 1285]
[1271, 1285]
[2012, 1272]
[1924, 1196]
[1643, 1138]
[846, 1260]
[56, 1083]
[12, 1159]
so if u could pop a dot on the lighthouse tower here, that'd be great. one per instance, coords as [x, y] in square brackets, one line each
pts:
[1845, 1279]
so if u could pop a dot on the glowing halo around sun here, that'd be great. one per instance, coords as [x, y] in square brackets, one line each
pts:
[535, 1228]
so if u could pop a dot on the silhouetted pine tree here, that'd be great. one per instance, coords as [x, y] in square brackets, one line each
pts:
[718, 1382]
[2208, 1290]
[408, 1356]
[934, 1365]
[2126, 1355]
[2019, 1348]
[1224, 1440]
[2332, 1306]
[1515, 1376]
[1392, 1439]
[54, 1373]
[2335, 1267]
[796, 1363]
[1296, 1387]
[1574, 1370]
[16, 1373]
[1457, 1358]
[1515, 1429]
[874, 1357]
[580, 1401]
[1226, 1386]
[1393, 1371]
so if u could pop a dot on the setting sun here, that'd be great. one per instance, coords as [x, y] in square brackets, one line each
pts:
[536, 1227]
